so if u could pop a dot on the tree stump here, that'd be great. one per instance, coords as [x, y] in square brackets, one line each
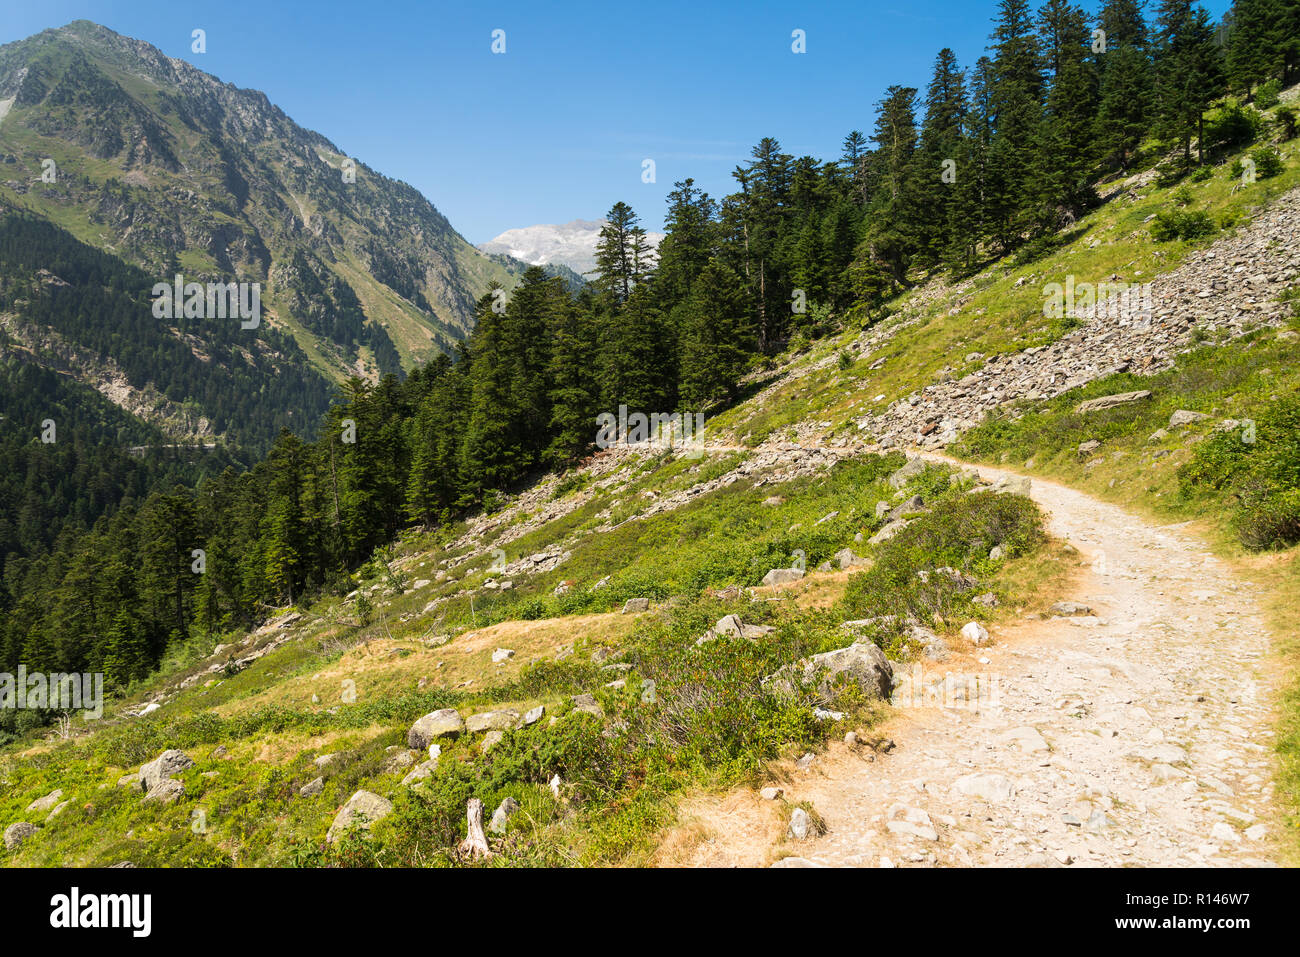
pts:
[475, 845]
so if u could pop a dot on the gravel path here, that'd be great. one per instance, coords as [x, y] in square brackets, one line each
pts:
[1136, 734]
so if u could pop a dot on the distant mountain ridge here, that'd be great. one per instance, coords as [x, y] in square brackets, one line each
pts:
[571, 244]
[172, 170]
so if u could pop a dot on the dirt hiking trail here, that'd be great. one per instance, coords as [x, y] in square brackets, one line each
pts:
[1135, 732]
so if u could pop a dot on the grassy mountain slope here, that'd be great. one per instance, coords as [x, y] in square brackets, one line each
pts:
[792, 474]
[173, 170]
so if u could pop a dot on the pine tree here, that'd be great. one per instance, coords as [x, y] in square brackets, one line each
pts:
[1262, 42]
[573, 393]
[756, 220]
[286, 543]
[689, 241]
[1016, 96]
[491, 457]
[1189, 71]
[126, 651]
[938, 168]
[622, 254]
[718, 338]
[892, 235]
[434, 484]
[1065, 154]
[637, 356]
[1124, 99]
[852, 158]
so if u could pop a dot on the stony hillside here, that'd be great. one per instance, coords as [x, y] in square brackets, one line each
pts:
[669, 658]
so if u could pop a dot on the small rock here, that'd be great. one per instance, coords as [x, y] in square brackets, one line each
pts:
[1110, 401]
[1185, 417]
[47, 802]
[502, 720]
[1069, 609]
[163, 767]
[166, 791]
[888, 532]
[634, 606]
[362, 809]
[587, 704]
[994, 788]
[501, 816]
[800, 824]
[1224, 832]
[312, 788]
[17, 834]
[446, 722]
[782, 576]
[421, 771]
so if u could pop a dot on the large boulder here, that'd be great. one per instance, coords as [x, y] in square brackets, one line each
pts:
[446, 722]
[861, 663]
[362, 810]
[16, 834]
[163, 768]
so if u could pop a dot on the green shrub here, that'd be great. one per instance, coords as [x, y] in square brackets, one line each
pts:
[1267, 162]
[1233, 125]
[1181, 224]
[958, 535]
[1284, 119]
[1259, 463]
[1266, 97]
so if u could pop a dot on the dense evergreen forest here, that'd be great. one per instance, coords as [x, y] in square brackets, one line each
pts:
[993, 158]
[247, 384]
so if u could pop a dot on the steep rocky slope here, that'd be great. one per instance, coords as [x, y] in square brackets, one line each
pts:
[171, 169]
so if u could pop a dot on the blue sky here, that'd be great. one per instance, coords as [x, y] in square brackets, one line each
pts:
[558, 126]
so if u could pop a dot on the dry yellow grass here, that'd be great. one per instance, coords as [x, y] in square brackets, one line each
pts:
[383, 667]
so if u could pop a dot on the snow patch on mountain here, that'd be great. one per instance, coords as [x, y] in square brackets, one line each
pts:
[571, 244]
